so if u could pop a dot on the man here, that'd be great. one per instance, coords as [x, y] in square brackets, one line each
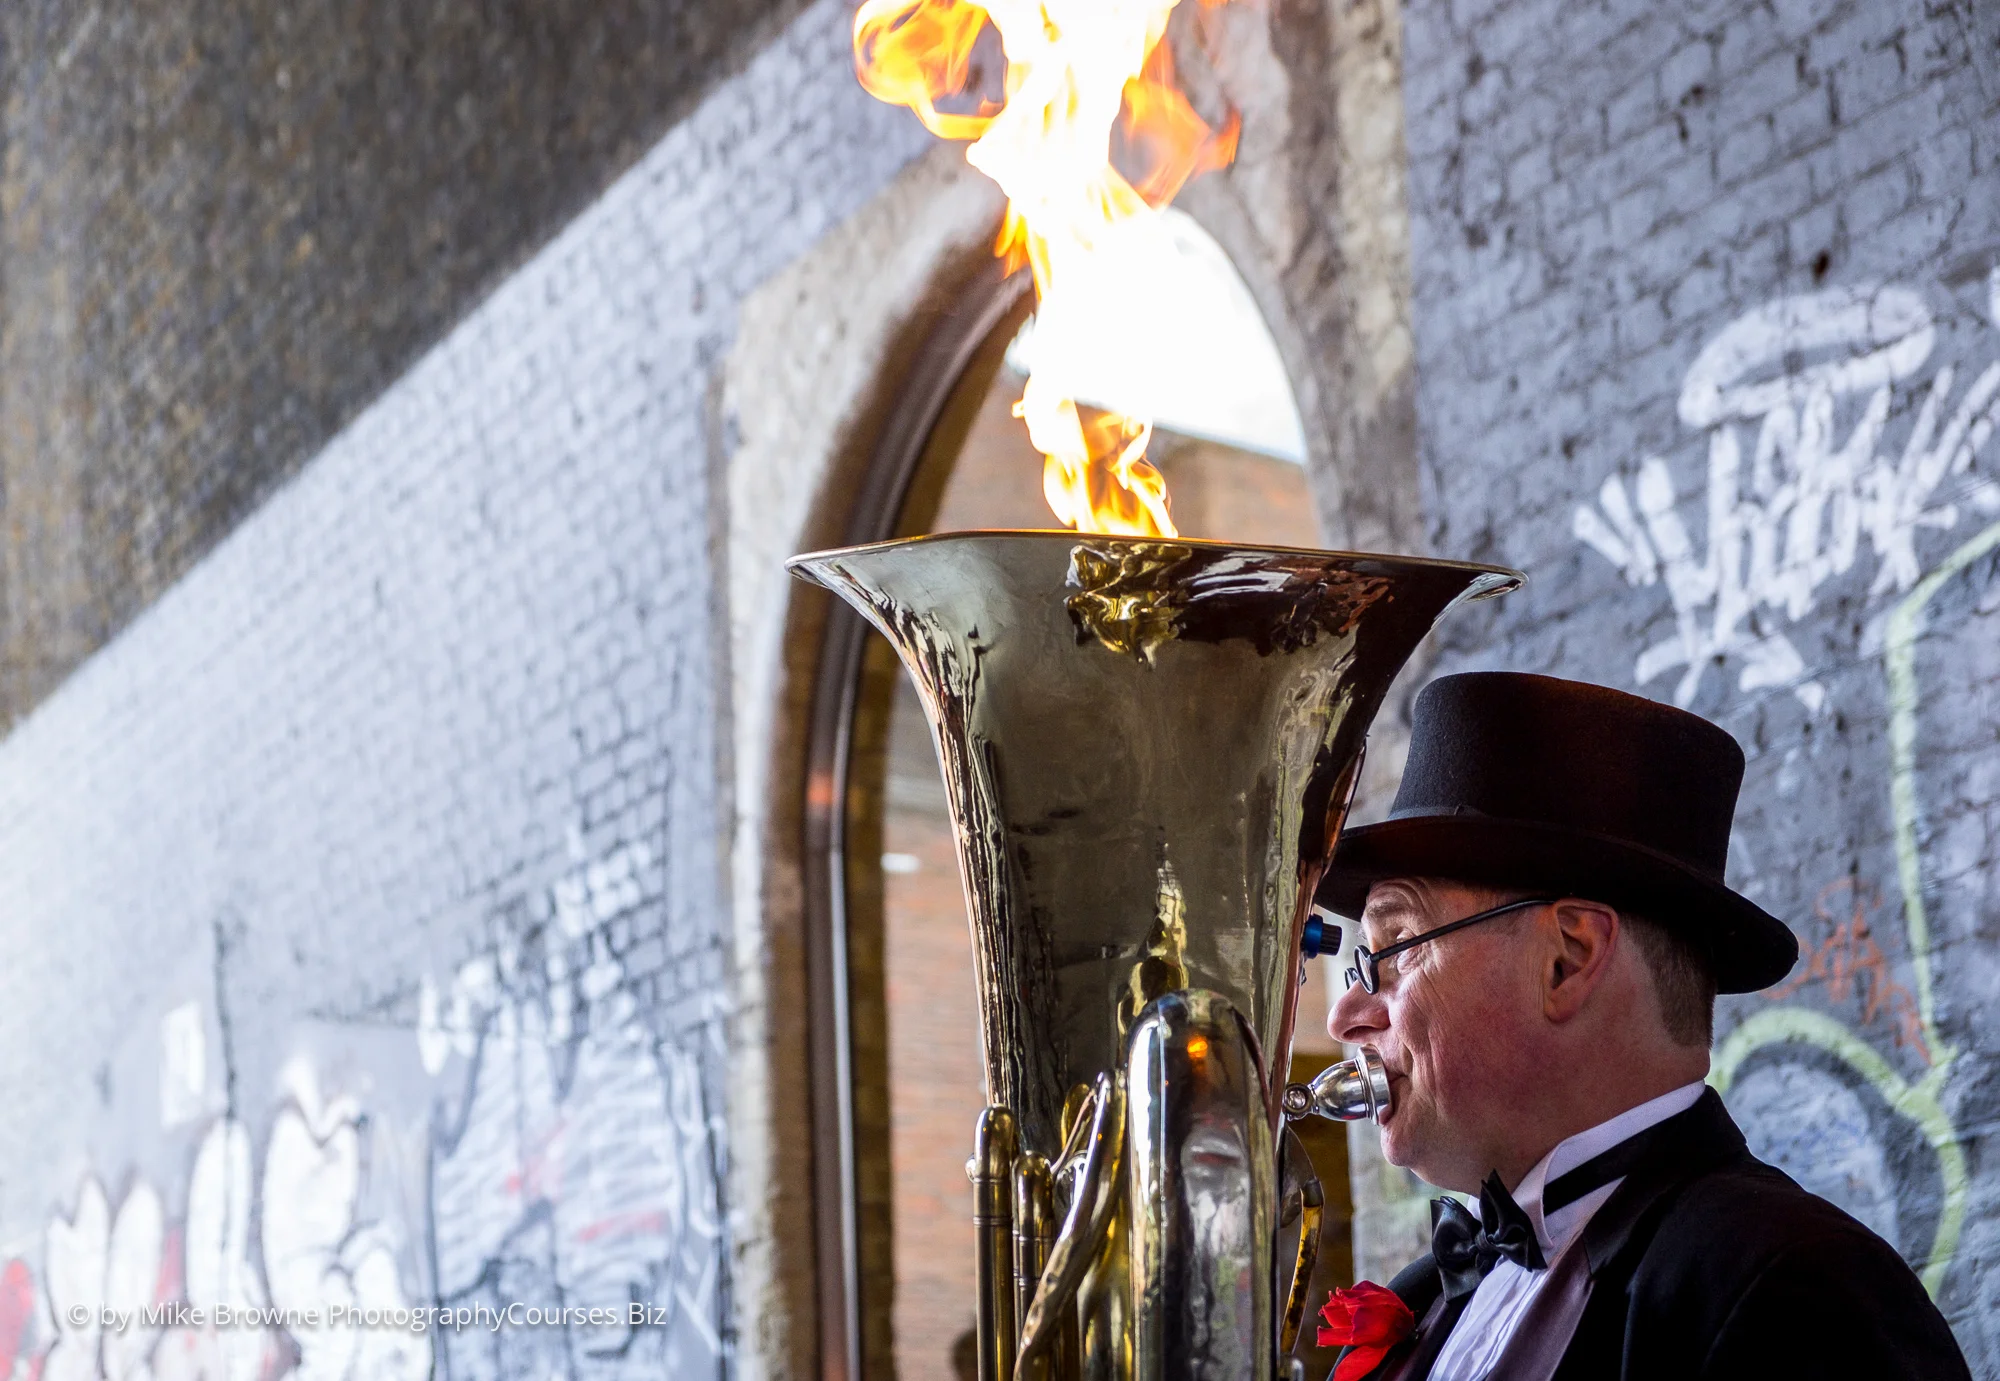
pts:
[1544, 929]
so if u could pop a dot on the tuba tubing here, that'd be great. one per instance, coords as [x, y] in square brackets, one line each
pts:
[991, 1170]
[1202, 1180]
[1304, 1182]
[1092, 1206]
[1034, 1227]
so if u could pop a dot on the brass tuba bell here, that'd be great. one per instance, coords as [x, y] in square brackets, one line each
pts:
[1148, 747]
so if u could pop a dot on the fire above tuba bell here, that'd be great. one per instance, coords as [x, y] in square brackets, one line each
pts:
[1148, 748]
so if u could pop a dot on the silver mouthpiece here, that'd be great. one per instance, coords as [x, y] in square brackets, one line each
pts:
[1345, 1092]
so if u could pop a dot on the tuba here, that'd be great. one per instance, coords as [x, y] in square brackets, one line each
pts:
[1148, 747]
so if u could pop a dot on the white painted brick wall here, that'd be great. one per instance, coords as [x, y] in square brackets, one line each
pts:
[444, 715]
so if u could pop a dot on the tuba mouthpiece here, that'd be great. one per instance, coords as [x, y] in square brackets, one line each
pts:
[1345, 1092]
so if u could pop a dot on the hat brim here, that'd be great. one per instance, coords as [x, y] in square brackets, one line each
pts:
[1748, 947]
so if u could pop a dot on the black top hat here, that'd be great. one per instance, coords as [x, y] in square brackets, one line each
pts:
[1527, 781]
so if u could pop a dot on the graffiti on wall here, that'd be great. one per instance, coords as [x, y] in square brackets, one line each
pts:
[563, 1220]
[1805, 485]
[1791, 501]
[580, 1166]
[129, 1297]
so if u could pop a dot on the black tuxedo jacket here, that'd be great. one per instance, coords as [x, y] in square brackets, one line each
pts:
[1708, 1263]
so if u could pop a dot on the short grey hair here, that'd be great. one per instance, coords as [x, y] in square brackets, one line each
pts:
[1683, 979]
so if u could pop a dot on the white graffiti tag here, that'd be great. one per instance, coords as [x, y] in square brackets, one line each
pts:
[100, 1268]
[319, 1255]
[137, 1297]
[580, 1166]
[1805, 504]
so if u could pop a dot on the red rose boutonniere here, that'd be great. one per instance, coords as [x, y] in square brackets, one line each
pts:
[1367, 1320]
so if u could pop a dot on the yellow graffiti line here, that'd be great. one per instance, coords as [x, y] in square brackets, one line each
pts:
[1906, 624]
[1919, 1102]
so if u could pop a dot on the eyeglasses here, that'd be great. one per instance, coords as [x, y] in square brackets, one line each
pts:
[1367, 962]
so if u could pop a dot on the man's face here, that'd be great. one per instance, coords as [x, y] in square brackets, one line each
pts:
[1455, 1022]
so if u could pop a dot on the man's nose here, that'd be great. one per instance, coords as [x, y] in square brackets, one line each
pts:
[1358, 1016]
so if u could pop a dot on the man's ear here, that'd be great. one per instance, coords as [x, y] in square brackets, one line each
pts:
[1582, 935]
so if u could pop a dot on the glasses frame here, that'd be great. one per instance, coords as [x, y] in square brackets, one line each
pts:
[1367, 967]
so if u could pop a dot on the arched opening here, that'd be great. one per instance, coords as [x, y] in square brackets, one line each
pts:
[892, 984]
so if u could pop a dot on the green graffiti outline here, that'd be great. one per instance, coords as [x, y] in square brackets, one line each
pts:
[1899, 656]
[1920, 1102]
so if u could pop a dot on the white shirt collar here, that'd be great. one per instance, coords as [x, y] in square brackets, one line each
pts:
[1574, 1151]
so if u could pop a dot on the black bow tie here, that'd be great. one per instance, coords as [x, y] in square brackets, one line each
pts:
[1467, 1248]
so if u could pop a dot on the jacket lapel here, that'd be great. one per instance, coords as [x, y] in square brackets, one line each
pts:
[1684, 1147]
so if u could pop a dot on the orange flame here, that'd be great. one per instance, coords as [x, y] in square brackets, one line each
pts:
[1078, 72]
[910, 54]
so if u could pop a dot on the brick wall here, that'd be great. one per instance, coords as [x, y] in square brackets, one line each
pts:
[1708, 334]
[368, 933]
[225, 229]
